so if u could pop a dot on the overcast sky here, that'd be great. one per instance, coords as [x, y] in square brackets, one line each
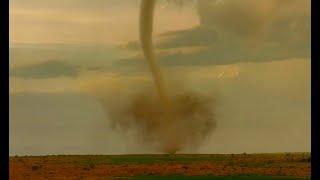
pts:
[254, 56]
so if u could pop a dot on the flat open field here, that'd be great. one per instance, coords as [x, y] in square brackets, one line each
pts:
[282, 166]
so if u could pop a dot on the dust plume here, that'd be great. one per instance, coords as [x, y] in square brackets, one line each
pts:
[140, 114]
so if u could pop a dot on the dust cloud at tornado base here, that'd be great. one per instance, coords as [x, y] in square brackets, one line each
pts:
[139, 113]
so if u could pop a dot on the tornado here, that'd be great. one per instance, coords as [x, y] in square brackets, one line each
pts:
[165, 121]
[146, 29]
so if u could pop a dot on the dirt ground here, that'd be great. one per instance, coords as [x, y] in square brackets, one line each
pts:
[109, 167]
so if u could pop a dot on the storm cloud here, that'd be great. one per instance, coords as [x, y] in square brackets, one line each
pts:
[238, 31]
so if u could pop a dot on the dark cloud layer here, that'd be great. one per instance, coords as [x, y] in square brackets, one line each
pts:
[239, 31]
[48, 69]
[36, 61]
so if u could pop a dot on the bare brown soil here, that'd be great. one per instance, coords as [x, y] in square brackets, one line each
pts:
[87, 167]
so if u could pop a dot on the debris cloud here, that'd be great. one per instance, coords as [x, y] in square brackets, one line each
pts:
[191, 118]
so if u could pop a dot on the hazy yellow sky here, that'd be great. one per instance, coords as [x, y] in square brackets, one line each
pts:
[104, 22]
